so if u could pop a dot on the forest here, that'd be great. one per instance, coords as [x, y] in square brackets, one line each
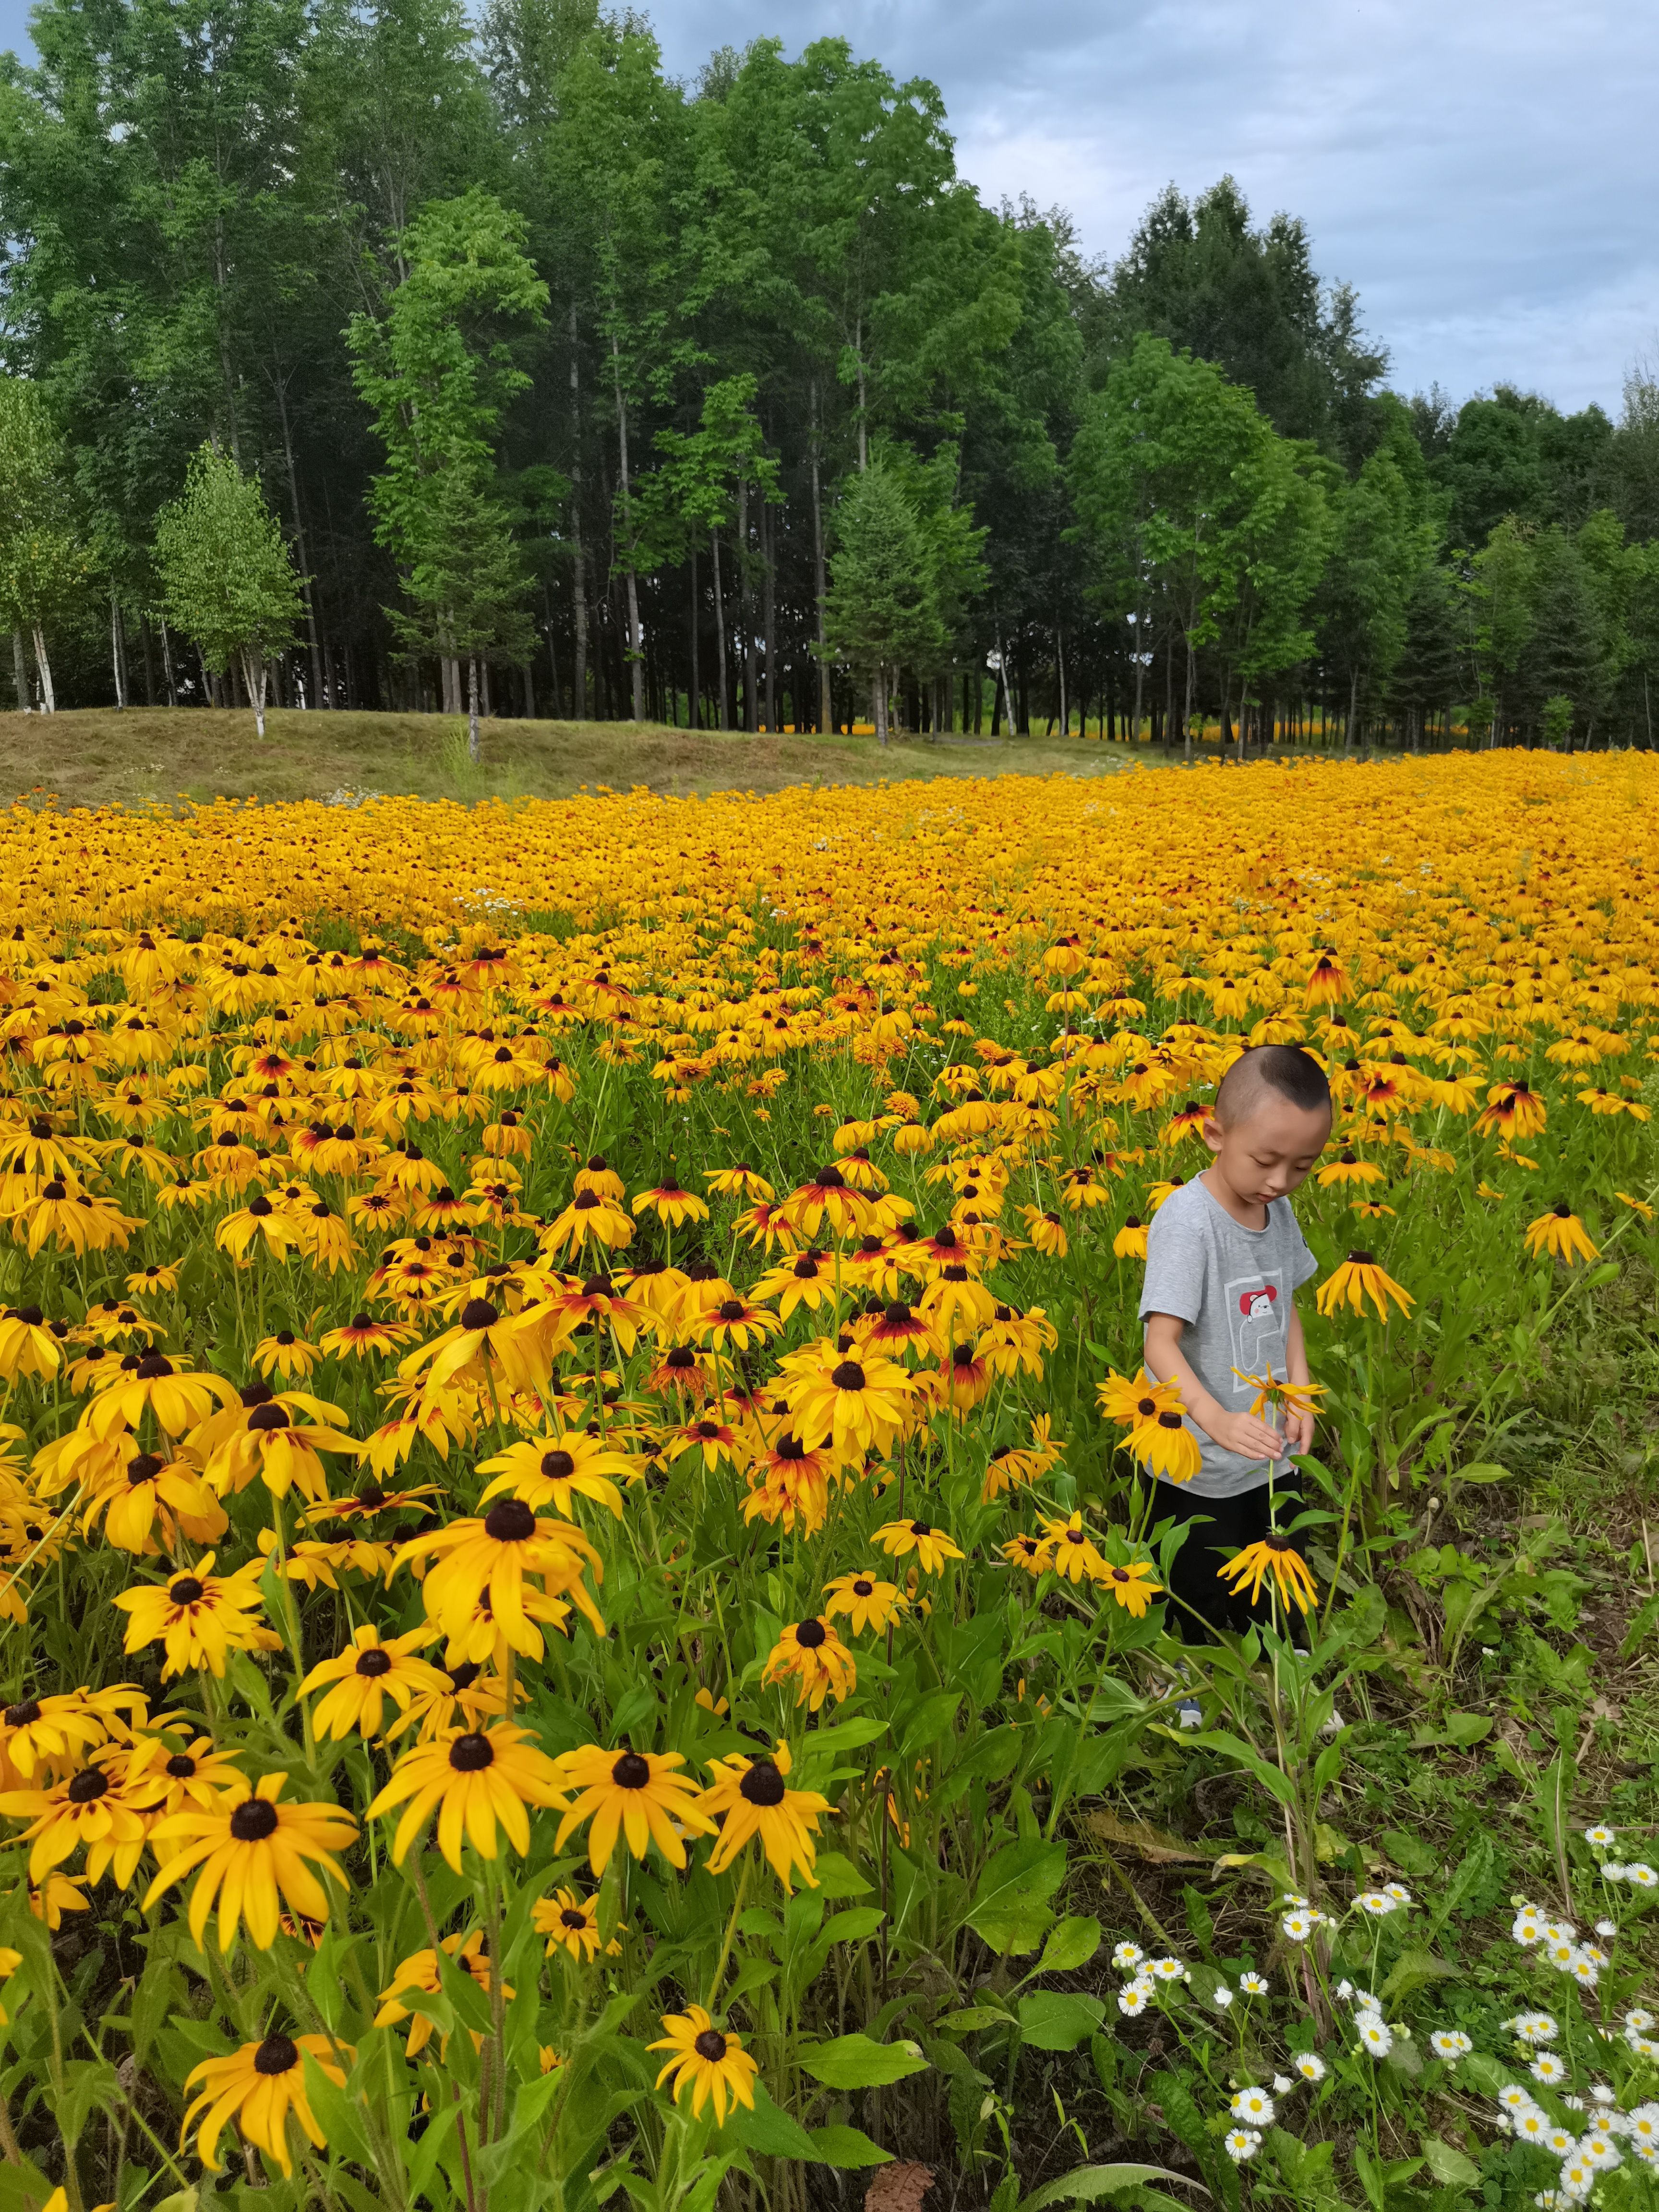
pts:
[548, 382]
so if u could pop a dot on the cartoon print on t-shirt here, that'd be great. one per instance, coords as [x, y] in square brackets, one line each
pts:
[1258, 1308]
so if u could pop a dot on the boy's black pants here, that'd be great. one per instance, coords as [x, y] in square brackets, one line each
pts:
[1223, 1528]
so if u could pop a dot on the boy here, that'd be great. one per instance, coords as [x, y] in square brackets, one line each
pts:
[1225, 1258]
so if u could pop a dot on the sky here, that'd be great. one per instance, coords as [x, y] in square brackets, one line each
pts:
[1484, 172]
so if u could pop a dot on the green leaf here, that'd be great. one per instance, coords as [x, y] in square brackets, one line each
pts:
[1084, 2184]
[1071, 1943]
[1643, 1622]
[1057, 2020]
[1010, 1910]
[854, 2062]
[842, 2146]
[769, 2130]
[1451, 2167]
[929, 1723]
[838, 1876]
[1415, 1969]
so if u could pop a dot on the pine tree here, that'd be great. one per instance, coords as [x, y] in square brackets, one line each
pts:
[880, 611]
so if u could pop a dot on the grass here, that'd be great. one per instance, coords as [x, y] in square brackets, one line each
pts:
[102, 757]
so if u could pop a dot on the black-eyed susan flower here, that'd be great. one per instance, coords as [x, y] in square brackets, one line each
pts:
[29, 1347]
[865, 1599]
[708, 2061]
[160, 1383]
[1513, 1109]
[810, 1653]
[1132, 1586]
[168, 1776]
[1069, 1549]
[285, 1354]
[492, 1554]
[1015, 1466]
[261, 2086]
[588, 1218]
[278, 1442]
[475, 1779]
[1130, 1242]
[735, 1324]
[571, 1923]
[363, 1337]
[255, 1854]
[1166, 1447]
[143, 1490]
[94, 1806]
[1562, 1235]
[673, 1206]
[555, 1469]
[751, 1797]
[1275, 1556]
[637, 1795]
[931, 1546]
[1359, 1278]
[852, 1406]
[420, 1975]
[197, 1616]
[364, 1675]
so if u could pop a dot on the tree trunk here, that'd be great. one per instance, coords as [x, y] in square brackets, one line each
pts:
[694, 699]
[280, 385]
[20, 669]
[578, 561]
[720, 626]
[746, 608]
[167, 665]
[1060, 663]
[632, 656]
[768, 620]
[472, 746]
[254, 672]
[879, 703]
[115, 651]
[1353, 708]
[1187, 724]
[48, 697]
[826, 715]
[1141, 677]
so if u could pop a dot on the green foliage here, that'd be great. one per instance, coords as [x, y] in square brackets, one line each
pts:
[227, 581]
[881, 607]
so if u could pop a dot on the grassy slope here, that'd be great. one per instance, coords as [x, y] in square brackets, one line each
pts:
[100, 756]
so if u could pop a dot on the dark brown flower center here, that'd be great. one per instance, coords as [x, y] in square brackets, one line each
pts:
[862, 1588]
[849, 1376]
[763, 1785]
[558, 1466]
[631, 1771]
[264, 1420]
[90, 1783]
[187, 1590]
[471, 1753]
[811, 1633]
[180, 1766]
[711, 2045]
[478, 1313]
[253, 1820]
[277, 2054]
[509, 1520]
[569, 1918]
[373, 1662]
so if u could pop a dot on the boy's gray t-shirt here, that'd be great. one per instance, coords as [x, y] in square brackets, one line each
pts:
[1233, 1287]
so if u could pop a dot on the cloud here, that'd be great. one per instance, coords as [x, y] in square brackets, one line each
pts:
[1483, 172]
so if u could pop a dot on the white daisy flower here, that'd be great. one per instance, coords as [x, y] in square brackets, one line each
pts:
[1573, 2104]
[1526, 1927]
[1376, 2037]
[1640, 1876]
[1344, 1991]
[1599, 2150]
[1241, 2143]
[1611, 1872]
[1166, 1970]
[1547, 2069]
[1253, 2105]
[1221, 1996]
[1513, 2099]
[1297, 1925]
[1283, 2085]
[1584, 1971]
[1126, 1957]
[1640, 2020]
[1134, 2001]
[1531, 2126]
[1560, 1931]
[1254, 1986]
[1601, 2092]
[1643, 2046]
[1600, 1835]
[1398, 1891]
[1294, 1900]
[1577, 2179]
[1561, 1950]
[1643, 2125]
[1376, 1902]
[1533, 2026]
[1450, 2043]
[1607, 1929]
[1311, 2066]
[1559, 2143]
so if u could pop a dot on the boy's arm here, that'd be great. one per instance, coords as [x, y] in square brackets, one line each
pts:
[1235, 1432]
[1298, 1426]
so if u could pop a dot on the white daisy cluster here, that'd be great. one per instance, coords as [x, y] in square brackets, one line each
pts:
[1145, 1976]
[1378, 1904]
[1373, 2035]
[1299, 1918]
[1600, 1839]
[1557, 1942]
[1604, 2142]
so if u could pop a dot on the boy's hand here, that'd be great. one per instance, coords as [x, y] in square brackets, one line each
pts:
[1299, 1429]
[1244, 1434]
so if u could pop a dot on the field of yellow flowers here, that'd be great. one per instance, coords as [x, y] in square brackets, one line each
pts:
[583, 1590]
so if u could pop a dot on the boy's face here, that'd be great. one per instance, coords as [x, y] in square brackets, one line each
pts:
[1267, 1154]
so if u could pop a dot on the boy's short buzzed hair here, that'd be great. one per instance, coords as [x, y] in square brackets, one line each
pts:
[1283, 1068]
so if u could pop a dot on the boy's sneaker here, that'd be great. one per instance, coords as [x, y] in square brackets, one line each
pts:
[1189, 1714]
